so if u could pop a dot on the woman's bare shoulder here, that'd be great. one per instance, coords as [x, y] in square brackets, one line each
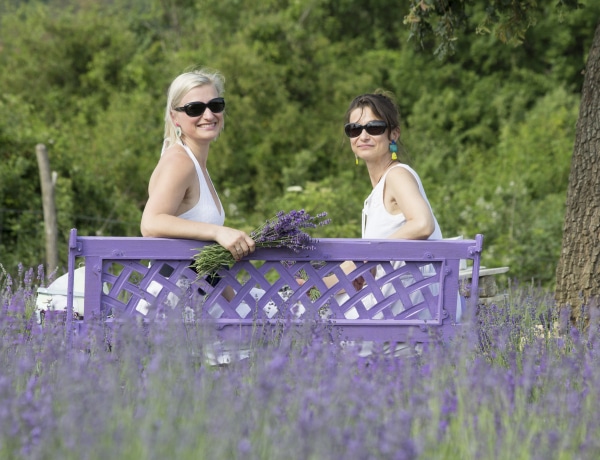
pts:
[174, 165]
[175, 159]
[401, 172]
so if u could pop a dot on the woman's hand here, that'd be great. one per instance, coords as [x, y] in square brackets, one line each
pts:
[236, 241]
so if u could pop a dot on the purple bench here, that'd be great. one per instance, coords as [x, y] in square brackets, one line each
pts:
[417, 292]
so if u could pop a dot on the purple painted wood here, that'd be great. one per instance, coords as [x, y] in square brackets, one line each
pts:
[415, 291]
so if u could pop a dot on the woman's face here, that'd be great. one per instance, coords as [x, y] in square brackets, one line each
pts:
[368, 146]
[202, 128]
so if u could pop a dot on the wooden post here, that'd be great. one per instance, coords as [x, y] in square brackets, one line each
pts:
[50, 224]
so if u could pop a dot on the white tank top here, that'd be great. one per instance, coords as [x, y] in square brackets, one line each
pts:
[205, 209]
[378, 223]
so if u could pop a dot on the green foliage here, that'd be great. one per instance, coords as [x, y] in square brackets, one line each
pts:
[489, 129]
[514, 193]
[440, 21]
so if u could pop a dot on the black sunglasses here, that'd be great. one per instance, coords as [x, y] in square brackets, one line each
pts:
[195, 109]
[374, 128]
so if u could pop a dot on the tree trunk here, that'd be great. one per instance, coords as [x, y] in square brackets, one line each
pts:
[578, 270]
[50, 224]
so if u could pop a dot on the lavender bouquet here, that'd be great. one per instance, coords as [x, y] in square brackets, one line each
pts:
[282, 231]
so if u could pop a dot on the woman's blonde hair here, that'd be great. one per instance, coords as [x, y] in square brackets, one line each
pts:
[180, 87]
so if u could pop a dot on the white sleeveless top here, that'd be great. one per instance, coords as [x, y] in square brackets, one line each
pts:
[378, 223]
[205, 209]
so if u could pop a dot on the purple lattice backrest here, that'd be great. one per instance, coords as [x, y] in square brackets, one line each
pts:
[410, 286]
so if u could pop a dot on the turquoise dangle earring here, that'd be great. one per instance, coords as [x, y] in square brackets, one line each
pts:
[394, 149]
[178, 131]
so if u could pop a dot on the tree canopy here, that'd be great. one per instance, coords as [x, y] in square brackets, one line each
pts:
[489, 127]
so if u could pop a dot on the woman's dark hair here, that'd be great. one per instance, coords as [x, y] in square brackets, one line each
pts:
[384, 107]
[381, 104]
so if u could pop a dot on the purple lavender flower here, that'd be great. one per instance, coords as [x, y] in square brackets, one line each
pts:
[282, 231]
[304, 393]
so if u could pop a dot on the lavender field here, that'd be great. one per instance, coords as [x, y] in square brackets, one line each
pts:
[513, 386]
